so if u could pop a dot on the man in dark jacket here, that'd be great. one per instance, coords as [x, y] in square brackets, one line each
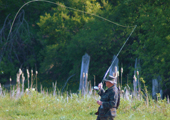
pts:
[109, 99]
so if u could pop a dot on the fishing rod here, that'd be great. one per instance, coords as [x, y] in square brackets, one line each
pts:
[118, 53]
[95, 87]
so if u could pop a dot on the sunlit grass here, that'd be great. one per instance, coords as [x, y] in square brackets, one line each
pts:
[37, 106]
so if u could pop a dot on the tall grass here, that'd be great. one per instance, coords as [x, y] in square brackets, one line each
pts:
[38, 106]
[55, 105]
[47, 107]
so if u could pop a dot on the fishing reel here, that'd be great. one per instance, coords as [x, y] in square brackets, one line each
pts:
[96, 88]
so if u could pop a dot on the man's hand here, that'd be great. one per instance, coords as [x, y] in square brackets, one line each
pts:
[100, 86]
[99, 102]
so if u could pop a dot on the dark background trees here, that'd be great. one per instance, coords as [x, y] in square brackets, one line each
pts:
[52, 39]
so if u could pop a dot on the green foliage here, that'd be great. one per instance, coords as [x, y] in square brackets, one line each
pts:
[153, 43]
[68, 35]
[61, 36]
[59, 30]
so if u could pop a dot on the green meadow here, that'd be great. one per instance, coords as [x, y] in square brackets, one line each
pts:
[72, 106]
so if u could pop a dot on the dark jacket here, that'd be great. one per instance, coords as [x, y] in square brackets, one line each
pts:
[109, 99]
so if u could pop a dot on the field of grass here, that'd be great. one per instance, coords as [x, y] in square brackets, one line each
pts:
[38, 106]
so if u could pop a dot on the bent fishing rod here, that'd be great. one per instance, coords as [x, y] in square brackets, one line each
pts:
[95, 87]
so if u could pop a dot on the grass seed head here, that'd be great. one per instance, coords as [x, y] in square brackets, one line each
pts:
[121, 70]
[137, 73]
[134, 77]
[10, 79]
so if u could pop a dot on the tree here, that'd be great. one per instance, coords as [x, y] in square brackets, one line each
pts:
[67, 35]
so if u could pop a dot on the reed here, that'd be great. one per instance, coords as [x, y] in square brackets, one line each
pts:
[44, 105]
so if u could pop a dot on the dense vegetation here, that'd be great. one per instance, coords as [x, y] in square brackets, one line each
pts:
[38, 106]
[52, 39]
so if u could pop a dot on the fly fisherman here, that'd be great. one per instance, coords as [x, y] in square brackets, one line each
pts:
[109, 99]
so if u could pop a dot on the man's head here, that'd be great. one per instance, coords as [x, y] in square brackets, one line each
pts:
[110, 81]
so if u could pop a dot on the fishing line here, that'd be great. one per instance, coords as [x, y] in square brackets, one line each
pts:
[65, 7]
[81, 12]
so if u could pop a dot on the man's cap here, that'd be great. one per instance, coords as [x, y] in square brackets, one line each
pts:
[110, 79]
